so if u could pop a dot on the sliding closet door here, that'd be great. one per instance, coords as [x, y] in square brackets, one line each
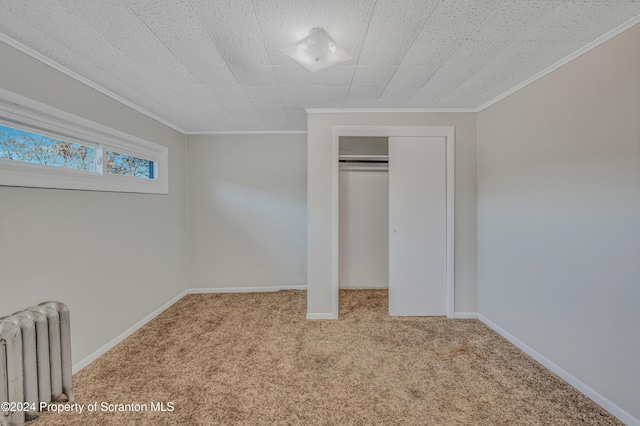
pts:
[417, 226]
[363, 228]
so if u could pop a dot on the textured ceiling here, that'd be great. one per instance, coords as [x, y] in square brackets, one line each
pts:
[206, 65]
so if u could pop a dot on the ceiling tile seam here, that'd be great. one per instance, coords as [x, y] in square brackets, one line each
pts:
[186, 68]
[38, 56]
[55, 65]
[410, 46]
[140, 109]
[185, 99]
[253, 11]
[118, 97]
[124, 54]
[498, 54]
[86, 81]
[281, 100]
[364, 39]
[195, 108]
[172, 91]
[155, 117]
[223, 58]
[600, 40]
[459, 45]
[135, 63]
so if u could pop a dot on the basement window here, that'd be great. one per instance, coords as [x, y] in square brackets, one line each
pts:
[43, 147]
[27, 147]
[129, 165]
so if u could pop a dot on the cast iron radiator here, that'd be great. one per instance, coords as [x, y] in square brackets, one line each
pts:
[35, 361]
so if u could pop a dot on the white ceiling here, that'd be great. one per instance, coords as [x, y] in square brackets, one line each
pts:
[206, 65]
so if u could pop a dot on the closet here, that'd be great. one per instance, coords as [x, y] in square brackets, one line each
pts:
[392, 220]
[363, 213]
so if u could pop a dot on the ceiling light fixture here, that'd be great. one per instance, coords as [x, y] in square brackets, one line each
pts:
[317, 51]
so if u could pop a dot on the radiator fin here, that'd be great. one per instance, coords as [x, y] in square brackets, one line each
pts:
[35, 359]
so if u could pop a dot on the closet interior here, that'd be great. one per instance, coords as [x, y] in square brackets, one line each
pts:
[392, 226]
[364, 212]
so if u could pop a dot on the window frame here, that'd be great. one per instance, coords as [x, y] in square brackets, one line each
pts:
[25, 114]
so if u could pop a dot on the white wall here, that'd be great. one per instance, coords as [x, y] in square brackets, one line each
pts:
[112, 257]
[364, 229]
[559, 217]
[247, 210]
[319, 201]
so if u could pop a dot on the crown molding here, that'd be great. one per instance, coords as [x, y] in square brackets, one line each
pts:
[600, 40]
[247, 132]
[38, 56]
[597, 42]
[382, 110]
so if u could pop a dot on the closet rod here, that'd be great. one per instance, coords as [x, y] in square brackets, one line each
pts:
[344, 158]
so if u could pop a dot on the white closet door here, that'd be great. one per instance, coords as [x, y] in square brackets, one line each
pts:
[364, 229]
[417, 226]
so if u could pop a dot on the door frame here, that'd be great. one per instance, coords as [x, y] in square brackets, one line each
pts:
[448, 132]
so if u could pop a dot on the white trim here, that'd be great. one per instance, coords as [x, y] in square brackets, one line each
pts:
[448, 132]
[605, 403]
[26, 50]
[364, 287]
[384, 110]
[128, 332]
[327, 316]
[19, 112]
[247, 132]
[187, 238]
[30, 52]
[465, 315]
[451, 197]
[335, 223]
[392, 131]
[246, 289]
[597, 42]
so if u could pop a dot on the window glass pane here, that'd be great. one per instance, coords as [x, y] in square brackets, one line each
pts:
[125, 164]
[26, 147]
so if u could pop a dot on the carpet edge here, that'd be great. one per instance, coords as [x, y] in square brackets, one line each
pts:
[592, 394]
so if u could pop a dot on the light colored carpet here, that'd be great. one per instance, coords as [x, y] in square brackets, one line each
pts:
[253, 359]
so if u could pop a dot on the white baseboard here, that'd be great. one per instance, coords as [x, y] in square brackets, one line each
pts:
[128, 332]
[363, 287]
[564, 375]
[465, 315]
[246, 289]
[326, 316]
